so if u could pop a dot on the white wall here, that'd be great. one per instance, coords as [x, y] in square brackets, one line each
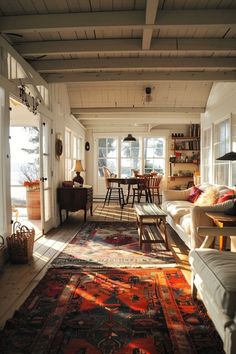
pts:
[221, 103]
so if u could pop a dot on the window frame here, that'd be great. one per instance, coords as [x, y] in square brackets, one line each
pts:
[73, 152]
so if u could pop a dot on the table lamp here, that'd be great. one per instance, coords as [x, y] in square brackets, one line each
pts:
[229, 156]
[78, 168]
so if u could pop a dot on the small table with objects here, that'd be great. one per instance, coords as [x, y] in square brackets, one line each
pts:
[221, 220]
[148, 215]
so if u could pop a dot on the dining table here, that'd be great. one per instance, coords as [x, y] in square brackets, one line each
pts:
[129, 181]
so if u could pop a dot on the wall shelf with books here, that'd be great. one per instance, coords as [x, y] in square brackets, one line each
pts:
[184, 157]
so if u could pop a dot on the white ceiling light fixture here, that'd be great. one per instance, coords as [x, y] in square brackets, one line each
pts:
[148, 91]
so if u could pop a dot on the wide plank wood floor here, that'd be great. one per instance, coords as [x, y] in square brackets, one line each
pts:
[17, 281]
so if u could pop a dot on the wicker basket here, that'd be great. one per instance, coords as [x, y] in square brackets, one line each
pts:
[20, 243]
[1, 253]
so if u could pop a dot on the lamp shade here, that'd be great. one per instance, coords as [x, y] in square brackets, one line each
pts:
[230, 156]
[130, 137]
[78, 166]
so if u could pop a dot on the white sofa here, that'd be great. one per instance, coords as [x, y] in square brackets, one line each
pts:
[214, 278]
[185, 217]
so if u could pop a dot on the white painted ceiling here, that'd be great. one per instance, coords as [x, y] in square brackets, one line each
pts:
[108, 52]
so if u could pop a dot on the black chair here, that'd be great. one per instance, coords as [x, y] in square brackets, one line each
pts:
[142, 189]
[113, 192]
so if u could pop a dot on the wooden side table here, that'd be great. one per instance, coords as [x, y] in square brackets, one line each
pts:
[147, 212]
[221, 220]
[74, 199]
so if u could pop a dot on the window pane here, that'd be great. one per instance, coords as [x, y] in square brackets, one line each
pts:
[154, 155]
[107, 155]
[130, 157]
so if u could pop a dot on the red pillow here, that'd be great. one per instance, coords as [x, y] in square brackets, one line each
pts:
[228, 195]
[194, 194]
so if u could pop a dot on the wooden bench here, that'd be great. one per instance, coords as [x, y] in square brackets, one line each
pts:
[149, 220]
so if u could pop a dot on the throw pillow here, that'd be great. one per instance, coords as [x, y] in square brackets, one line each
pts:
[209, 197]
[228, 195]
[194, 194]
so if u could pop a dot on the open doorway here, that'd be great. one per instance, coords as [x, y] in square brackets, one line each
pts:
[25, 166]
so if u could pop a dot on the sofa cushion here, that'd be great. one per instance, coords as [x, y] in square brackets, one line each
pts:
[217, 269]
[194, 194]
[186, 223]
[208, 197]
[226, 196]
[177, 208]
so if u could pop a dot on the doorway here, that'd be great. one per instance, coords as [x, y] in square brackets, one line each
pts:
[25, 167]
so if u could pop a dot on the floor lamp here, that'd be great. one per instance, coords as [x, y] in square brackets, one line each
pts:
[230, 156]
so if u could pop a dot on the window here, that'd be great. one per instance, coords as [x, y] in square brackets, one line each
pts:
[122, 157]
[130, 157]
[206, 155]
[72, 152]
[107, 155]
[154, 159]
[221, 146]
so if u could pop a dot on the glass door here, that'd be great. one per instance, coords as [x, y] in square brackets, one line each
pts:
[46, 173]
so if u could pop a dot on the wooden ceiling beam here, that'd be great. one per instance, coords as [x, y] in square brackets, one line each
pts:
[131, 64]
[150, 17]
[99, 46]
[108, 110]
[117, 19]
[149, 76]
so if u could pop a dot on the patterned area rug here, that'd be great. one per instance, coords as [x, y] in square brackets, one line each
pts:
[123, 311]
[111, 244]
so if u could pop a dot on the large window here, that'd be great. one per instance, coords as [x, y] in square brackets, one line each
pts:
[206, 155]
[154, 156]
[72, 152]
[221, 146]
[122, 158]
[107, 155]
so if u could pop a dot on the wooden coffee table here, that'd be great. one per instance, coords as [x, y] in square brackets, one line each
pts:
[147, 234]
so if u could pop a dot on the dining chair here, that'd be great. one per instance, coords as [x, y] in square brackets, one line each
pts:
[113, 192]
[142, 187]
[154, 187]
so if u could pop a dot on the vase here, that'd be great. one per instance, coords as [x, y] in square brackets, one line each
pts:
[33, 204]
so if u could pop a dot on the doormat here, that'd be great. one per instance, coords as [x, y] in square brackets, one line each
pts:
[111, 244]
[122, 311]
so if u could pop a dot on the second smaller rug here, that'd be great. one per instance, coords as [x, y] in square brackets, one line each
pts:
[111, 244]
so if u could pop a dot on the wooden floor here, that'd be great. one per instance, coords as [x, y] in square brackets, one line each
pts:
[17, 281]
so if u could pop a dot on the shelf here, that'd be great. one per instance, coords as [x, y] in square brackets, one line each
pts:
[194, 163]
[184, 149]
[185, 137]
[173, 177]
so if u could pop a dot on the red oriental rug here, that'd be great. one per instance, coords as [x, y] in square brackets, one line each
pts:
[108, 311]
[111, 244]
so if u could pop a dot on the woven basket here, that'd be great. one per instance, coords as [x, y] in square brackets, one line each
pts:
[20, 243]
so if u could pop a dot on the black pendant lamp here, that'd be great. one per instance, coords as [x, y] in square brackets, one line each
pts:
[129, 137]
[230, 156]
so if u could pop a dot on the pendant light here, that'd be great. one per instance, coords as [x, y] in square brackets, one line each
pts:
[129, 137]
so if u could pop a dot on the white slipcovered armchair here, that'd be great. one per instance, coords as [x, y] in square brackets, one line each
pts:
[214, 278]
